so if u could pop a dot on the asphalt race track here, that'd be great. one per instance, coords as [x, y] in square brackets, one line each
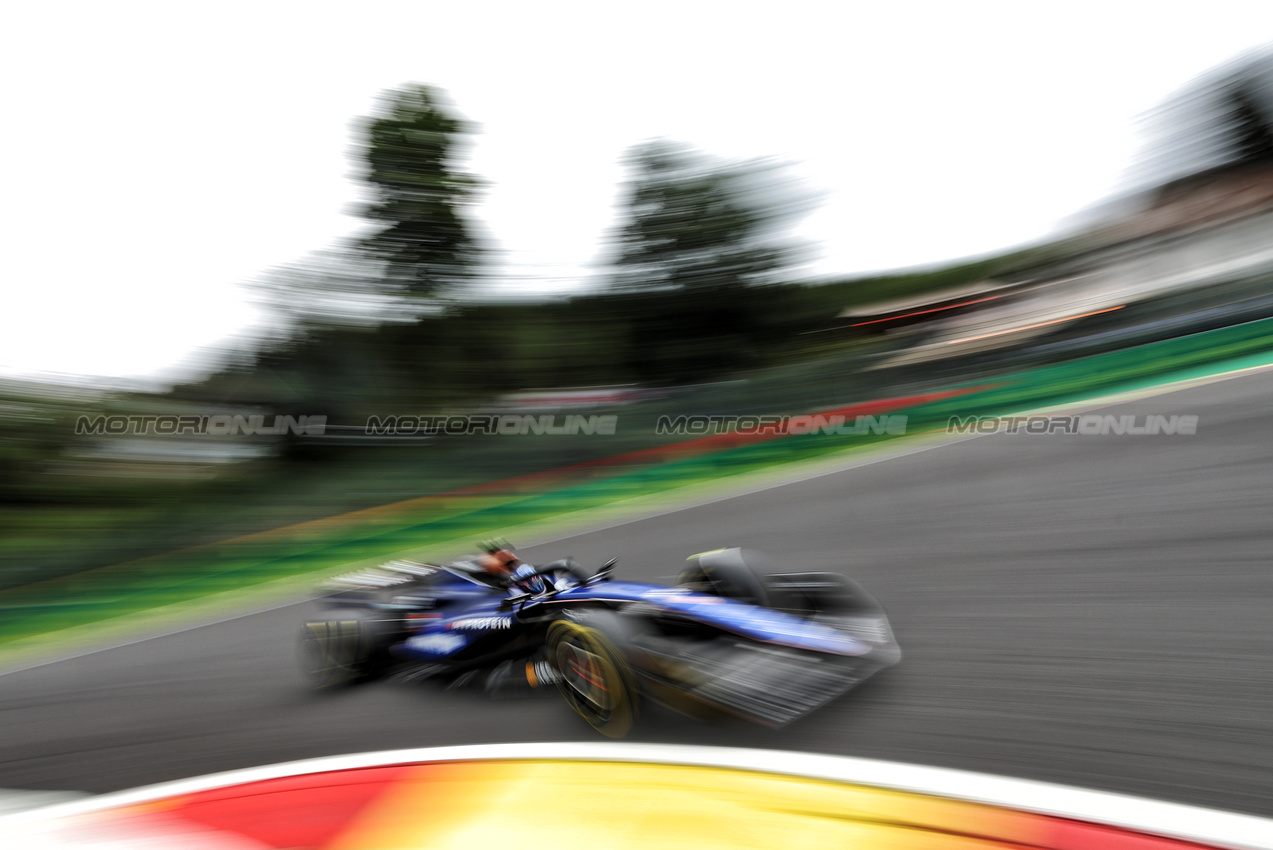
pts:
[1089, 610]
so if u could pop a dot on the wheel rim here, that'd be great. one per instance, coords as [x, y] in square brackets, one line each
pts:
[588, 679]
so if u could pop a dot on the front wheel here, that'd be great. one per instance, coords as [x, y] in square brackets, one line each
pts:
[594, 677]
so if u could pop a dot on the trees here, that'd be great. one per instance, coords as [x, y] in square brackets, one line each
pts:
[365, 302]
[418, 196]
[692, 291]
[699, 225]
[1222, 119]
[1250, 115]
[335, 288]
[700, 254]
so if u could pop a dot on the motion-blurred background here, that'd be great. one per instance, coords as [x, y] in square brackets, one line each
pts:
[572, 217]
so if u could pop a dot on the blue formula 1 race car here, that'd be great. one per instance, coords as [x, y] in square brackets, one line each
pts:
[726, 638]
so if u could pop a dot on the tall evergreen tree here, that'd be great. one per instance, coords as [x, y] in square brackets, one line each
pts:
[700, 241]
[698, 225]
[418, 194]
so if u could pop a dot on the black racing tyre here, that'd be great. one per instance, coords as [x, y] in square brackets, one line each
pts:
[341, 652]
[594, 677]
[725, 574]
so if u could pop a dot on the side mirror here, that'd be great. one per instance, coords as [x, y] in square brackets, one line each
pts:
[603, 572]
[514, 600]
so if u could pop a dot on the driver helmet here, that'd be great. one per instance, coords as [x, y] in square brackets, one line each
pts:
[499, 558]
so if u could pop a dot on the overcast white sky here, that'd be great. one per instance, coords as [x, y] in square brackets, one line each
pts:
[157, 156]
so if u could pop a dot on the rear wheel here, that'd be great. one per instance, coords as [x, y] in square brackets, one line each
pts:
[594, 677]
[341, 652]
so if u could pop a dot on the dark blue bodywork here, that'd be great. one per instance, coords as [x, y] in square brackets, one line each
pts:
[464, 613]
[681, 645]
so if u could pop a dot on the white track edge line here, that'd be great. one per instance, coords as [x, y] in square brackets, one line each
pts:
[1172, 820]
